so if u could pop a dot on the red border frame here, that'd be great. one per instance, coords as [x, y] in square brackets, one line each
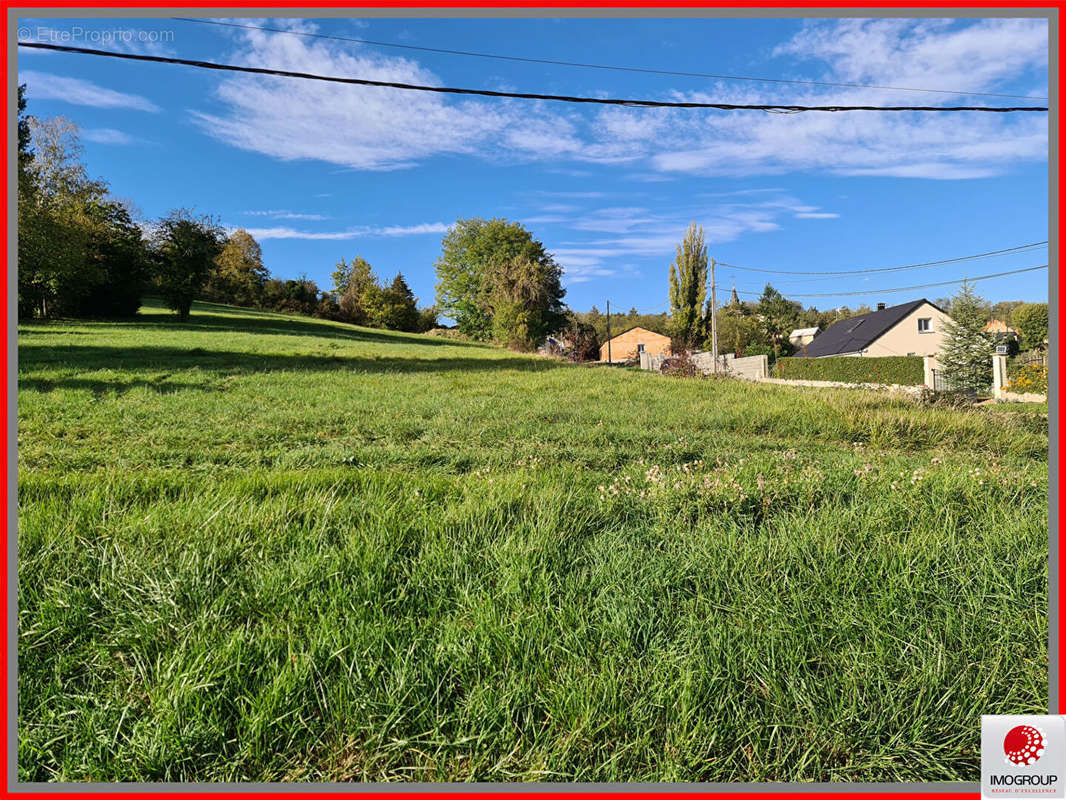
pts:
[5, 467]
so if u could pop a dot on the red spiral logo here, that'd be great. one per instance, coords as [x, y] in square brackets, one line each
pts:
[1024, 745]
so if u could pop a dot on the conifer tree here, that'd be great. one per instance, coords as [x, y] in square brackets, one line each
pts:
[966, 357]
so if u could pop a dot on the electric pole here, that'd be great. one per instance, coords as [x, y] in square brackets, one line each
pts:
[609, 332]
[714, 321]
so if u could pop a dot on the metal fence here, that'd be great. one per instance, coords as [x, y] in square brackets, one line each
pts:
[941, 382]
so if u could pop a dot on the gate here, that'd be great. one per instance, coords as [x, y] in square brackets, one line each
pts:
[940, 382]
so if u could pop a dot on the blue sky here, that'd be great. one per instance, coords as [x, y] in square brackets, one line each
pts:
[321, 171]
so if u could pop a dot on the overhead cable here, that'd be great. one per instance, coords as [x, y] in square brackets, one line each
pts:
[633, 103]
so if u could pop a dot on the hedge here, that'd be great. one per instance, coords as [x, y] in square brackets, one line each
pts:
[904, 370]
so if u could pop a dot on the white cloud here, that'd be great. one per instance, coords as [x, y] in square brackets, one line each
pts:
[636, 232]
[106, 136]
[353, 233]
[816, 215]
[45, 86]
[287, 215]
[380, 129]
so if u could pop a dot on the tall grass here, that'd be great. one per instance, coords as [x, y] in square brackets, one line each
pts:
[255, 547]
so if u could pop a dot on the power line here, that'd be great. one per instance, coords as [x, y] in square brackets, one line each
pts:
[530, 60]
[910, 288]
[517, 95]
[989, 254]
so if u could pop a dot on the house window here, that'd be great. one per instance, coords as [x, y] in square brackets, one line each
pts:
[640, 348]
[925, 325]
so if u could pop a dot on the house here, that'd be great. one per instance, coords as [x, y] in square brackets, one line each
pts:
[998, 326]
[910, 329]
[631, 343]
[802, 336]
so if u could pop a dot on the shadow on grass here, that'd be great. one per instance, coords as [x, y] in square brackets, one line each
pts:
[101, 388]
[225, 363]
[232, 319]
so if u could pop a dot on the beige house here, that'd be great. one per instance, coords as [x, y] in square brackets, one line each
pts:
[631, 343]
[802, 336]
[910, 329]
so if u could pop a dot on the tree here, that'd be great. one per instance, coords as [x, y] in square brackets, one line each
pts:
[118, 268]
[185, 247]
[524, 301]
[80, 252]
[427, 319]
[56, 198]
[472, 251]
[394, 307]
[740, 333]
[688, 291]
[1004, 309]
[351, 282]
[238, 274]
[1031, 321]
[966, 357]
[778, 316]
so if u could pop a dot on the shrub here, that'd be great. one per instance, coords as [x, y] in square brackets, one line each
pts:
[1031, 320]
[903, 370]
[1028, 378]
[681, 366]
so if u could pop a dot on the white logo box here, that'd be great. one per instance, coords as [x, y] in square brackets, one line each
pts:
[1023, 756]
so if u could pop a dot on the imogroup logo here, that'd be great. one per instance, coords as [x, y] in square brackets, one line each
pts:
[1023, 744]
[1022, 756]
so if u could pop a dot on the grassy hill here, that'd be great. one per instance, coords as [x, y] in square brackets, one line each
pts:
[254, 546]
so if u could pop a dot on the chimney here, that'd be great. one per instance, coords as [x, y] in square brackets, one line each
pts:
[880, 306]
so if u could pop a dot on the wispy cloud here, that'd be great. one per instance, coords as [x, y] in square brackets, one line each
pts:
[106, 136]
[633, 233]
[45, 86]
[370, 128]
[287, 215]
[352, 233]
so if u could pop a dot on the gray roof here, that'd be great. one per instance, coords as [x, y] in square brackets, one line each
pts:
[857, 333]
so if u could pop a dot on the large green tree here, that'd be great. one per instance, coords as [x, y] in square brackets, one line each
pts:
[778, 316]
[117, 270]
[184, 247]
[473, 253]
[688, 291]
[354, 283]
[393, 306]
[740, 333]
[524, 301]
[238, 275]
[966, 356]
[56, 217]
[1031, 321]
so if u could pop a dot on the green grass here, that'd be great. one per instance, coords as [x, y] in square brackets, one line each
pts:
[259, 547]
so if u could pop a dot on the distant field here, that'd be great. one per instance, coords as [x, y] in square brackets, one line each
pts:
[259, 547]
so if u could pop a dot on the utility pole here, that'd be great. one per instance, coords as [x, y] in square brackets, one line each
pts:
[609, 332]
[714, 321]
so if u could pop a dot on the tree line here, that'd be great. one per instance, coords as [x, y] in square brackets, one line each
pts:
[83, 253]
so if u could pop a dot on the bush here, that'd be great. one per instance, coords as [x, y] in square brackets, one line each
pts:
[681, 366]
[902, 370]
[1028, 378]
[1031, 320]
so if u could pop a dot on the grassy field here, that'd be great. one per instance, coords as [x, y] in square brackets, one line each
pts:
[258, 547]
